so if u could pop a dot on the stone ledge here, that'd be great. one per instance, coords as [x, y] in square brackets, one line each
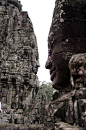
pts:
[21, 127]
[66, 126]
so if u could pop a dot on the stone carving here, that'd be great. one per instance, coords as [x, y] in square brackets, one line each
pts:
[67, 64]
[18, 60]
[66, 38]
[77, 65]
[36, 110]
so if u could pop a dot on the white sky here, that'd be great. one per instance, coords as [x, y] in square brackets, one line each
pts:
[40, 13]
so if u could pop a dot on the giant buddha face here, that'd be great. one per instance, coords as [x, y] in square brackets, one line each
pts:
[58, 65]
[67, 37]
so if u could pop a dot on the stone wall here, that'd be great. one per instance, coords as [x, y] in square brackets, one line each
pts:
[36, 110]
[18, 61]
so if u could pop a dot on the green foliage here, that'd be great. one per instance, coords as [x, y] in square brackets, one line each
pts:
[37, 89]
[11, 65]
[48, 89]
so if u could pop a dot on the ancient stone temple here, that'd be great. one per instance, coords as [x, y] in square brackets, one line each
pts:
[67, 64]
[22, 102]
[18, 61]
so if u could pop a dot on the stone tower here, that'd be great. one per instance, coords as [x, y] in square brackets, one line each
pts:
[67, 64]
[18, 60]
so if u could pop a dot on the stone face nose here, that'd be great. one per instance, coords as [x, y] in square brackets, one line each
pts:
[48, 64]
[37, 63]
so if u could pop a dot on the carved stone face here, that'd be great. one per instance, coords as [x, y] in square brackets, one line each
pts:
[66, 38]
[58, 67]
[77, 65]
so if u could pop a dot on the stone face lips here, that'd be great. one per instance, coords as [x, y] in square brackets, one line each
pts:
[18, 59]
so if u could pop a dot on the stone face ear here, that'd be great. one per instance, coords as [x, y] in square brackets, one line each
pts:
[77, 66]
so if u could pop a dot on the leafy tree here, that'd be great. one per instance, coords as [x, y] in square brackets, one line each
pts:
[48, 89]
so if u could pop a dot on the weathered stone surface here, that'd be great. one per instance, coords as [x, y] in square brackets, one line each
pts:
[66, 126]
[67, 108]
[21, 127]
[67, 41]
[18, 60]
[67, 37]
[36, 109]
[77, 65]
[21, 101]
